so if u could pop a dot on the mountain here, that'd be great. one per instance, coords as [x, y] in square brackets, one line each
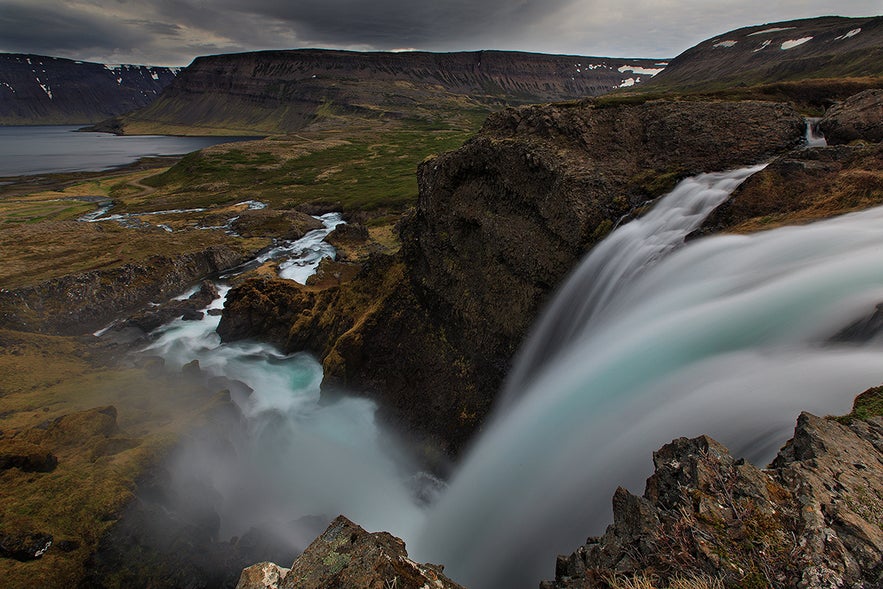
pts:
[278, 91]
[40, 90]
[825, 47]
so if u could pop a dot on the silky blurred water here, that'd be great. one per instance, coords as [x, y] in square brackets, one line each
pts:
[728, 336]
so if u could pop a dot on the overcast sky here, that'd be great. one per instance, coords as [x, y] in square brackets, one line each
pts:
[173, 32]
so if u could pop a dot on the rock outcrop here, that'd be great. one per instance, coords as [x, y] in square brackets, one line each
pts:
[345, 555]
[40, 90]
[806, 185]
[81, 303]
[498, 225]
[283, 91]
[812, 519]
[859, 117]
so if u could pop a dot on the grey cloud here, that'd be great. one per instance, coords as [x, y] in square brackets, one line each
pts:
[31, 28]
[383, 24]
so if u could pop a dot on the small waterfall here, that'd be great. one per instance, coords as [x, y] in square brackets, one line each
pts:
[814, 137]
[730, 336]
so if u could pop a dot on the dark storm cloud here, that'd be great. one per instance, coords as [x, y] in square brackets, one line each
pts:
[389, 24]
[173, 32]
[34, 28]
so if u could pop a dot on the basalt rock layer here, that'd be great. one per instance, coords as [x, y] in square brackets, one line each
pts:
[283, 91]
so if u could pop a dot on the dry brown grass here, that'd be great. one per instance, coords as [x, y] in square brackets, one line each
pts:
[688, 582]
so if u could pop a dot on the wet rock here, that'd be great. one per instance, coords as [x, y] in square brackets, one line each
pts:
[283, 224]
[191, 315]
[859, 117]
[345, 555]
[811, 519]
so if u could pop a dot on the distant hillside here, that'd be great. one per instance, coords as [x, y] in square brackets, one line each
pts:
[826, 47]
[279, 91]
[39, 90]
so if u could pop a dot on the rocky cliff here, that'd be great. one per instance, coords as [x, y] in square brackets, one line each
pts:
[813, 518]
[498, 224]
[40, 90]
[279, 91]
[826, 47]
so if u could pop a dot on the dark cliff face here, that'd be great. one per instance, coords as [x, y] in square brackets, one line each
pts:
[501, 221]
[827, 47]
[39, 90]
[277, 91]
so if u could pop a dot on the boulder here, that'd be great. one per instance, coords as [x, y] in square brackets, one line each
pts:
[345, 555]
[859, 117]
[263, 575]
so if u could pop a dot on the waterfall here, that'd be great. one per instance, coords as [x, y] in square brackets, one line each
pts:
[814, 137]
[593, 288]
[730, 336]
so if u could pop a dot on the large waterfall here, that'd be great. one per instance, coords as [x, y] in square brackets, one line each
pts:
[730, 336]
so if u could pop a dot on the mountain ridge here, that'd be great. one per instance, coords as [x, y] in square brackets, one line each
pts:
[45, 90]
[287, 90]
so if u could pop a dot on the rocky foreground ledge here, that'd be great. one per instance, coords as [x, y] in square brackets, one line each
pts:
[812, 519]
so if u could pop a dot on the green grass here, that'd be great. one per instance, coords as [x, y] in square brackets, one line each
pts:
[868, 404]
[368, 170]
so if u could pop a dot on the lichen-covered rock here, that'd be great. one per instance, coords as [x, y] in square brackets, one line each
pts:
[857, 117]
[263, 575]
[345, 555]
[813, 519]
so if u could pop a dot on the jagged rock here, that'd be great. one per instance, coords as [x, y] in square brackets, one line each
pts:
[345, 555]
[857, 117]
[813, 519]
[24, 546]
[264, 575]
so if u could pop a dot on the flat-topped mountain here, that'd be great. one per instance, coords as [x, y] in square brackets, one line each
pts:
[825, 47]
[278, 91]
[40, 90]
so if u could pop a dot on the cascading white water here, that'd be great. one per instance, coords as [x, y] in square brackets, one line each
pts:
[592, 289]
[728, 336]
[300, 458]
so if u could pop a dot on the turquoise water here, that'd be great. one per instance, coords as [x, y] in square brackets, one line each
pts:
[59, 149]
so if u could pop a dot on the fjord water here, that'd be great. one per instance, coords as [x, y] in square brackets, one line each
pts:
[59, 149]
[730, 336]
